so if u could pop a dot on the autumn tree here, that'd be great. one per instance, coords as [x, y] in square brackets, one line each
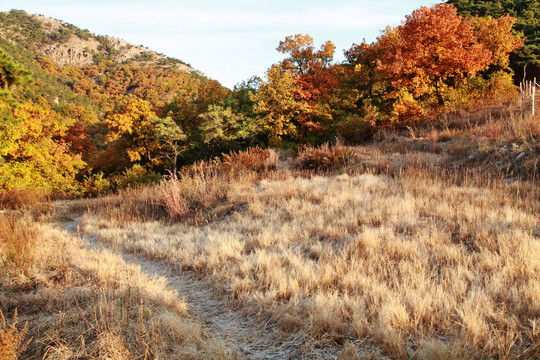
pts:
[302, 54]
[132, 122]
[421, 63]
[296, 98]
[495, 35]
[277, 104]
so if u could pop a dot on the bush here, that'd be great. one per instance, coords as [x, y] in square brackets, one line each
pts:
[96, 184]
[135, 175]
[325, 157]
[195, 196]
[22, 198]
[252, 159]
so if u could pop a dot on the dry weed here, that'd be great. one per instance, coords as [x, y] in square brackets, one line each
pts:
[326, 157]
[17, 244]
[13, 341]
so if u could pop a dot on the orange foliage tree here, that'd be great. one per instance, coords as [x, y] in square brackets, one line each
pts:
[419, 65]
[295, 99]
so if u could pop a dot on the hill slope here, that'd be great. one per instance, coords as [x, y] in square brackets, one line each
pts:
[66, 44]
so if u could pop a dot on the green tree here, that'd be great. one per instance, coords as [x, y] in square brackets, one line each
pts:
[171, 139]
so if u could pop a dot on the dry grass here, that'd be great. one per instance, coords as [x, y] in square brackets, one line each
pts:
[17, 244]
[85, 304]
[252, 159]
[418, 251]
[325, 157]
[441, 265]
[21, 198]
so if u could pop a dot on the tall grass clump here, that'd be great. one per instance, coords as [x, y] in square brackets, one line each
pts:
[17, 244]
[326, 157]
[17, 198]
[252, 159]
[141, 203]
[196, 194]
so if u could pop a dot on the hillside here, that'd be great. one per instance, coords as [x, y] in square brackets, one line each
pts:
[79, 87]
[66, 44]
[84, 115]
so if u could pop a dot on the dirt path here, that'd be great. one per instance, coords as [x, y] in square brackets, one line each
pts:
[249, 338]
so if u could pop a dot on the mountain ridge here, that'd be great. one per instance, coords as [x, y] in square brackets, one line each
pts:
[66, 44]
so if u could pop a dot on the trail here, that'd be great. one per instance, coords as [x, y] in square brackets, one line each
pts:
[247, 337]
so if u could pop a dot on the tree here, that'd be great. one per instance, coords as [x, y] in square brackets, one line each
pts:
[496, 36]
[132, 121]
[277, 103]
[434, 49]
[171, 139]
[302, 54]
[12, 73]
[223, 129]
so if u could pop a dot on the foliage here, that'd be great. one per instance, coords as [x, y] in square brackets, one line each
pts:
[221, 128]
[134, 176]
[12, 73]
[276, 103]
[302, 55]
[171, 138]
[71, 127]
[527, 13]
[419, 67]
[95, 184]
[31, 154]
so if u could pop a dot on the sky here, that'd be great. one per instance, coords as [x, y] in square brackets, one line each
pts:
[229, 41]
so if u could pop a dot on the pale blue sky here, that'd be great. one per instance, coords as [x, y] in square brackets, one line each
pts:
[229, 41]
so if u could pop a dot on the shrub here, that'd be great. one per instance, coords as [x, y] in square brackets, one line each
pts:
[96, 184]
[325, 157]
[252, 159]
[135, 175]
[21, 198]
[12, 343]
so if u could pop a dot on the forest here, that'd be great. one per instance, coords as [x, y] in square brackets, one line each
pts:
[92, 129]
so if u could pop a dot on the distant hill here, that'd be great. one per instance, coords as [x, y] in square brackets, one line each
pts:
[527, 13]
[66, 44]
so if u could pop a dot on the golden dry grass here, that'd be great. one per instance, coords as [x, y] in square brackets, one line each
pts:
[436, 264]
[86, 304]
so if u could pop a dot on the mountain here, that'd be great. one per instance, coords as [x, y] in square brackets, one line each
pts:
[66, 44]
